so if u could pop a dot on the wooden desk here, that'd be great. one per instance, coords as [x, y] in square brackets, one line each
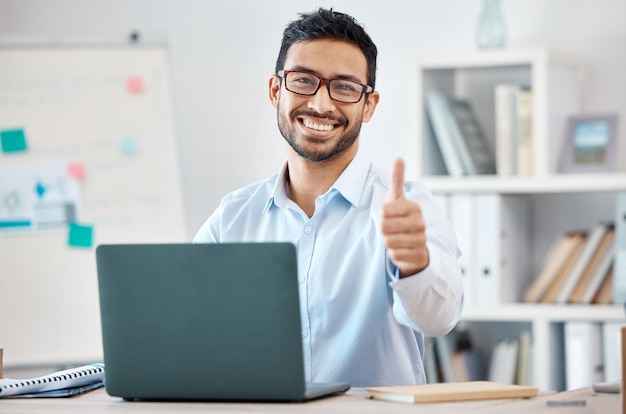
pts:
[352, 402]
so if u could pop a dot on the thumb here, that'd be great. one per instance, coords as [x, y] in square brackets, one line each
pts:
[396, 181]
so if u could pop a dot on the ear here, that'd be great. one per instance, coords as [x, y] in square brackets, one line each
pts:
[370, 105]
[274, 90]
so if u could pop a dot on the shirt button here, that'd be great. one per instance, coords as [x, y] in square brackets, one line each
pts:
[305, 334]
[302, 279]
[307, 229]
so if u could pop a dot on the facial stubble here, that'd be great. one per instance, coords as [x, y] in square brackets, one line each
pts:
[312, 153]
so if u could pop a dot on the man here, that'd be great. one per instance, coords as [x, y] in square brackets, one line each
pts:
[377, 260]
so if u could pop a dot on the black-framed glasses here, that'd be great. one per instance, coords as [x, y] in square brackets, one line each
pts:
[307, 84]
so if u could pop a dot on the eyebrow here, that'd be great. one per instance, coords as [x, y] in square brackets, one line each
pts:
[339, 76]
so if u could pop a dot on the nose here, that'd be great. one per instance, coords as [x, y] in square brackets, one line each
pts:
[321, 101]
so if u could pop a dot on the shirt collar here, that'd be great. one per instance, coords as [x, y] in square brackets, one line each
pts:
[350, 184]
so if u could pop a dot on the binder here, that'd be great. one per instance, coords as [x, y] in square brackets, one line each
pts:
[619, 266]
[502, 265]
[461, 217]
[583, 354]
[611, 347]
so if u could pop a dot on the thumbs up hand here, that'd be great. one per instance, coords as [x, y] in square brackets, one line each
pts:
[403, 227]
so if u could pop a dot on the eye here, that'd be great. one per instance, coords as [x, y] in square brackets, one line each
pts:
[303, 79]
[346, 86]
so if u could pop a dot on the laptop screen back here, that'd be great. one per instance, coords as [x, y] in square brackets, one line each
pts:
[201, 321]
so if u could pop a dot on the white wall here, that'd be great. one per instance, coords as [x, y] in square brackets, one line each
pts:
[222, 54]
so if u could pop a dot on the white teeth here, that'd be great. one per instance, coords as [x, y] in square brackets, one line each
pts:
[319, 127]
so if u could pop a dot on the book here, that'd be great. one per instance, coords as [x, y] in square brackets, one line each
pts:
[599, 261]
[461, 140]
[58, 384]
[505, 125]
[604, 295]
[468, 365]
[467, 362]
[556, 285]
[559, 252]
[430, 360]
[600, 274]
[596, 235]
[444, 354]
[524, 359]
[524, 131]
[452, 391]
[439, 117]
[502, 368]
[481, 155]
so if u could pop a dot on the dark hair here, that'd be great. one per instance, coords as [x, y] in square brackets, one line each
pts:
[329, 24]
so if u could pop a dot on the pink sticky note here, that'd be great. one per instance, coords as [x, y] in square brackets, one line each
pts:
[76, 170]
[134, 84]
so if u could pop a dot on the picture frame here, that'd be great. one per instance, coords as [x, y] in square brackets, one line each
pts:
[590, 144]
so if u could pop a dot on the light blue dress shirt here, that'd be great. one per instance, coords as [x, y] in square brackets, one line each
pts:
[360, 323]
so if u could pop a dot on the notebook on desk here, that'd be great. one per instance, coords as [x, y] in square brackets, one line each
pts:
[203, 322]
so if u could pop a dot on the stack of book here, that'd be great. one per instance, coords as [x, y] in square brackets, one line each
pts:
[514, 129]
[511, 361]
[452, 358]
[462, 143]
[577, 269]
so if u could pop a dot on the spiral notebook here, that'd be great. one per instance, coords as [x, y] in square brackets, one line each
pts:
[64, 383]
[203, 322]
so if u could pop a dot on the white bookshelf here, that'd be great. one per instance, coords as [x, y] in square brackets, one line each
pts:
[555, 79]
[557, 201]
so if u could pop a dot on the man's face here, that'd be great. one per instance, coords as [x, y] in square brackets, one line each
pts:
[317, 127]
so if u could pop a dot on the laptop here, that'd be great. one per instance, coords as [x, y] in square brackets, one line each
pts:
[211, 322]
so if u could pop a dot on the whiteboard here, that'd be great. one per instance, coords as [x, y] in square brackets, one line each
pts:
[105, 113]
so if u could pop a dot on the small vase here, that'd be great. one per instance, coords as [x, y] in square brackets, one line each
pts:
[491, 31]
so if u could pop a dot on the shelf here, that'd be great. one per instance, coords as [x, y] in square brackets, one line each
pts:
[507, 57]
[570, 183]
[555, 79]
[522, 312]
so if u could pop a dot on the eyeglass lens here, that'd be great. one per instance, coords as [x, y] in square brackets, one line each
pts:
[339, 89]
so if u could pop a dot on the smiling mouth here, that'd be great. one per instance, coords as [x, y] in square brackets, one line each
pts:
[318, 127]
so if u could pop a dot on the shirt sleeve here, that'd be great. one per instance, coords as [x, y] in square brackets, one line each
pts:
[431, 301]
[209, 232]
